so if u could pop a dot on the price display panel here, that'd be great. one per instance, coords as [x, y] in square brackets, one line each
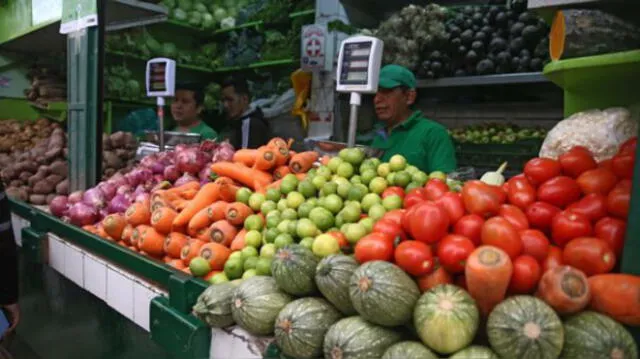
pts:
[160, 76]
[355, 63]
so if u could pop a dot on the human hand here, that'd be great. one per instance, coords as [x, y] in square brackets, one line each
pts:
[13, 311]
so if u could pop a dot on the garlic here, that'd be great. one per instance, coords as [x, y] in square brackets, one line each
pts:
[495, 178]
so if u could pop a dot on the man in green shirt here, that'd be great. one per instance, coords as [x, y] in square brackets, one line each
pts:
[424, 143]
[186, 109]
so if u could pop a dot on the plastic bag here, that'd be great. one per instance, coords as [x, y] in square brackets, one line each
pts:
[281, 105]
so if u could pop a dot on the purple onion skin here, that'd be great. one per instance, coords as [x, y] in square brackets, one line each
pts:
[94, 198]
[223, 153]
[142, 197]
[59, 206]
[107, 189]
[186, 178]
[75, 197]
[118, 180]
[191, 161]
[205, 174]
[124, 189]
[81, 214]
[171, 173]
[119, 204]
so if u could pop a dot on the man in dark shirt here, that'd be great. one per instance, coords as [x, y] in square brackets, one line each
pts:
[248, 127]
[8, 264]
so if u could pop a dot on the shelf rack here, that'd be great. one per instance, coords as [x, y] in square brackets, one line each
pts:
[501, 79]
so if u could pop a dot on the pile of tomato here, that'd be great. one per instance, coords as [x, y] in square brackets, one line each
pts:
[571, 211]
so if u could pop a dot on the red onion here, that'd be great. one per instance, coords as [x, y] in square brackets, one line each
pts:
[82, 214]
[208, 146]
[124, 189]
[118, 180]
[138, 175]
[205, 173]
[94, 198]
[191, 161]
[102, 213]
[171, 173]
[108, 189]
[181, 147]
[157, 178]
[186, 178]
[142, 197]
[149, 160]
[75, 197]
[59, 206]
[119, 204]
[223, 153]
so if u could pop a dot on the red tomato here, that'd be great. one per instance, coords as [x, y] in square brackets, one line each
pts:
[452, 204]
[470, 226]
[515, 216]
[599, 180]
[390, 228]
[593, 205]
[525, 276]
[535, 244]
[539, 170]
[437, 277]
[413, 198]
[373, 247]
[629, 146]
[612, 231]
[406, 219]
[619, 198]
[590, 255]
[606, 164]
[540, 215]
[498, 232]
[435, 188]
[398, 191]
[576, 161]
[568, 225]
[453, 251]
[342, 240]
[521, 193]
[554, 259]
[394, 216]
[482, 199]
[622, 165]
[428, 223]
[414, 257]
[559, 191]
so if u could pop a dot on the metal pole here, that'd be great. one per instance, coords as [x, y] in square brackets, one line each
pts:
[160, 103]
[355, 101]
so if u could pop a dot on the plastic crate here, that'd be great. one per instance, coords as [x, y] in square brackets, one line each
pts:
[490, 156]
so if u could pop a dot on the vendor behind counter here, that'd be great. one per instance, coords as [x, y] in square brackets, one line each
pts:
[187, 108]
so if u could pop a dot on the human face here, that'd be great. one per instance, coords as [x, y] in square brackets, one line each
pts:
[392, 105]
[234, 104]
[184, 109]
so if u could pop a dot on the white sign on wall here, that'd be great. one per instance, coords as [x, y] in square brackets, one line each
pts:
[313, 51]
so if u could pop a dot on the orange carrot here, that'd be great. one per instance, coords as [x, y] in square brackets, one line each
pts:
[204, 234]
[114, 224]
[188, 194]
[166, 259]
[237, 212]
[186, 270]
[136, 234]
[228, 192]
[245, 156]
[616, 295]
[224, 180]
[151, 242]
[280, 172]
[223, 232]
[138, 213]
[126, 234]
[102, 233]
[187, 186]
[206, 216]
[216, 254]
[276, 184]
[238, 242]
[121, 243]
[565, 289]
[177, 264]
[173, 244]
[90, 228]
[325, 160]
[277, 142]
[179, 204]
[162, 219]
[282, 156]
[157, 204]
[488, 272]
[208, 194]
[302, 162]
[265, 158]
[190, 250]
[247, 176]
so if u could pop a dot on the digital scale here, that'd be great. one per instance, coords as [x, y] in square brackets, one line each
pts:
[161, 83]
[358, 71]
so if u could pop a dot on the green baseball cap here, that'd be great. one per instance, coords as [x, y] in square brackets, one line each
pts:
[395, 75]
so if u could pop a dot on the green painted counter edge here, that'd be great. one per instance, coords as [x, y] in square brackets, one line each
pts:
[181, 335]
[22, 209]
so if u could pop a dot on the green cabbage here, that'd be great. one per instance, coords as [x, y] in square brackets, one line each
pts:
[185, 5]
[169, 50]
[180, 15]
[195, 18]
[208, 21]
[169, 4]
[200, 7]
[132, 89]
[219, 14]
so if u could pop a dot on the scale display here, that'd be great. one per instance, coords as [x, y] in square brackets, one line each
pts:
[158, 72]
[160, 76]
[355, 63]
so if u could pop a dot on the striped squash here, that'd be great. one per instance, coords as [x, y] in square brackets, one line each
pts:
[409, 350]
[355, 338]
[214, 305]
[294, 269]
[594, 335]
[256, 303]
[332, 278]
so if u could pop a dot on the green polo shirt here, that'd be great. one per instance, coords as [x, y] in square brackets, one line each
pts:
[424, 143]
[205, 131]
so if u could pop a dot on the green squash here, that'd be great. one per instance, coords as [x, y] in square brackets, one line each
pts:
[446, 318]
[475, 352]
[332, 278]
[593, 335]
[214, 305]
[383, 294]
[294, 268]
[525, 327]
[355, 338]
[256, 303]
[409, 350]
[301, 326]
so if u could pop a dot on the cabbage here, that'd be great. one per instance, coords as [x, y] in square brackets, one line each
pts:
[195, 18]
[219, 14]
[228, 23]
[200, 7]
[169, 4]
[169, 50]
[180, 15]
[208, 21]
[133, 88]
[185, 5]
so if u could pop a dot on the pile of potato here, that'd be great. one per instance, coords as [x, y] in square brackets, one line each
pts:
[19, 136]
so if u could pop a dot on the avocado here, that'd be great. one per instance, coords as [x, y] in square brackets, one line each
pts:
[516, 45]
[455, 42]
[542, 49]
[435, 55]
[536, 64]
[485, 67]
[519, 5]
[515, 62]
[468, 10]
[525, 62]
[459, 20]
[525, 53]
[467, 37]
[503, 69]
[468, 23]
[494, 10]
[526, 17]
[501, 18]
[436, 66]
[486, 29]
[454, 31]
[478, 47]
[472, 57]
[530, 33]
[430, 75]
[503, 58]
[480, 36]
[426, 64]
[459, 73]
[462, 50]
[516, 29]
[475, 28]
[497, 44]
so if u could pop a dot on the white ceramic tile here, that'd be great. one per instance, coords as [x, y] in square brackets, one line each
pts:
[142, 296]
[17, 223]
[56, 254]
[120, 292]
[74, 264]
[95, 274]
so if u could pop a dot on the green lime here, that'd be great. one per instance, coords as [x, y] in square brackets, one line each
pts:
[412, 169]
[355, 204]
[304, 209]
[237, 255]
[377, 211]
[282, 204]
[392, 202]
[270, 235]
[268, 250]
[307, 242]
[419, 177]
[233, 268]
[273, 194]
[289, 214]
[199, 266]
[369, 200]
[397, 163]
[375, 161]
[378, 185]
[322, 218]
[254, 222]
[324, 171]
[253, 238]
[268, 206]
[306, 228]
[333, 203]
[412, 185]
[248, 252]
[325, 245]
[282, 240]
[355, 156]
[368, 175]
[368, 223]
[343, 189]
[218, 278]
[292, 228]
[313, 201]
[243, 194]
[329, 188]
[263, 266]
[318, 182]
[391, 179]
[356, 193]
[354, 232]
[249, 273]
[438, 174]
[351, 214]
[356, 179]
[286, 187]
[283, 226]
[294, 200]
[256, 200]
[340, 220]
[312, 173]
[384, 170]
[307, 188]
[345, 169]
[273, 218]
[250, 263]
[402, 179]
[290, 178]
[334, 163]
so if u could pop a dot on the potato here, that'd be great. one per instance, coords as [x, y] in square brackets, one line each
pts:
[106, 142]
[16, 183]
[24, 176]
[43, 187]
[45, 170]
[109, 172]
[60, 168]
[8, 174]
[112, 160]
[35, 179]
[54, 179]
[51, 197]
[63, 187]
[17, 193]
[118, 139]
[38, 199]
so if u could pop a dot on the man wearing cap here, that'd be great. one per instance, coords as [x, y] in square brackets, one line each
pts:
[424, 143]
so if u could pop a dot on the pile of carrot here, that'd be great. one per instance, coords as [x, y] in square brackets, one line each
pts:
[177, 224]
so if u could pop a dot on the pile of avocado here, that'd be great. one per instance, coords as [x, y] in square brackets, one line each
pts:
[496, 134]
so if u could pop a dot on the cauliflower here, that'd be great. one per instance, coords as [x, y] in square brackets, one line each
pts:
[601, 132]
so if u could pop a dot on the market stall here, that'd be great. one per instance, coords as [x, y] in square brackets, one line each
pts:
[275, 253]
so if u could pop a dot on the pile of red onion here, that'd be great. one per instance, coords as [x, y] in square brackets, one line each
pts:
[187, 163]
